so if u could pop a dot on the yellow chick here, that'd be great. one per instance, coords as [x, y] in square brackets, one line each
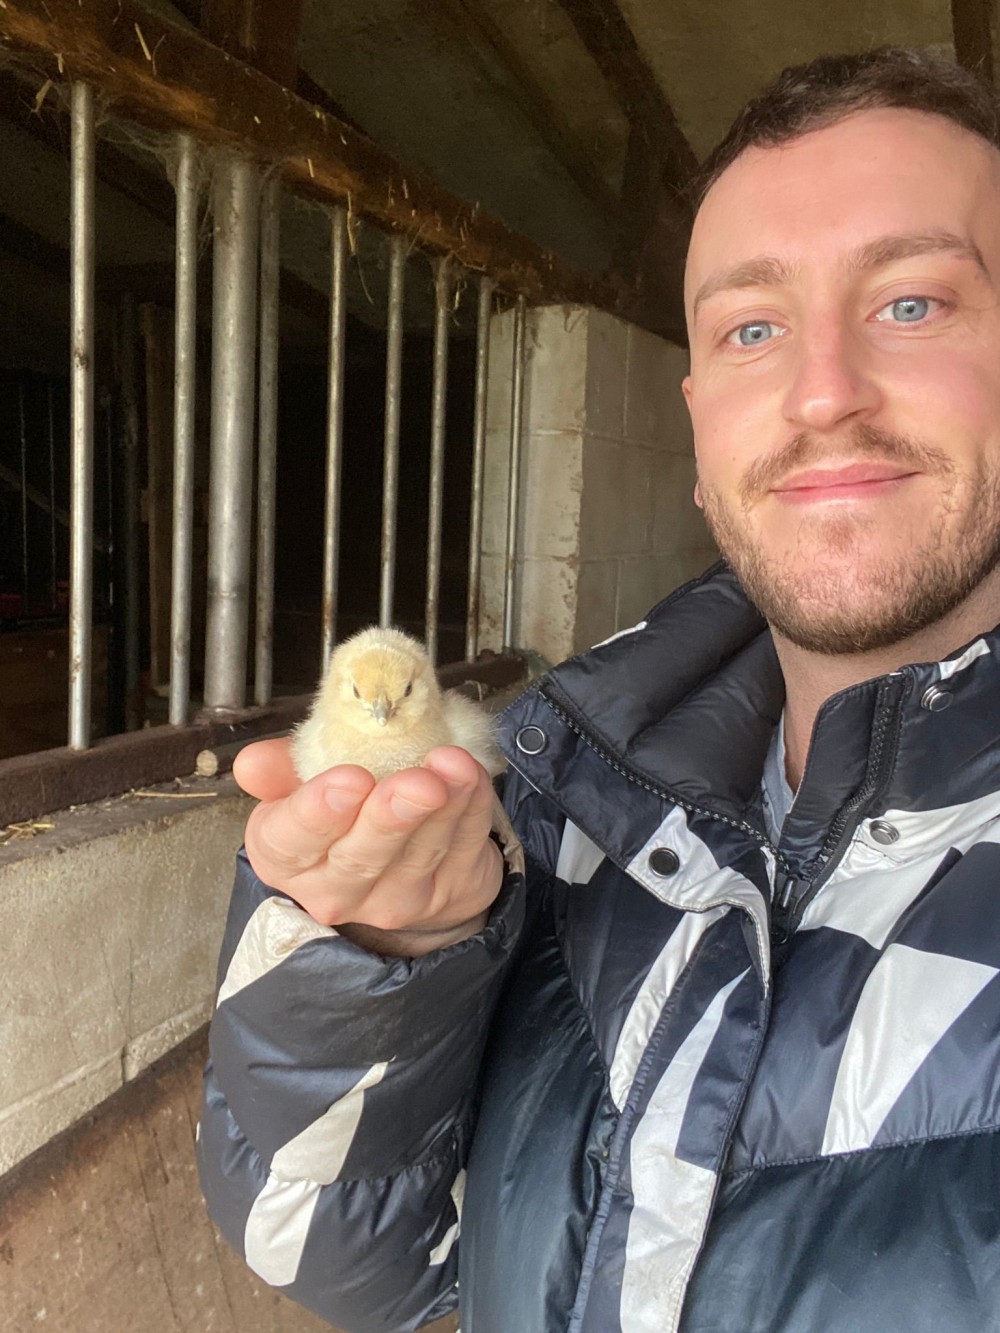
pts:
[380, 706]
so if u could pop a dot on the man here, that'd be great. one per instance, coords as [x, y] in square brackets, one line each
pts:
[732, 1062]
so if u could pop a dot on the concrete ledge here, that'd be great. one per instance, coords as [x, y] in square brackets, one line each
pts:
[112, 922]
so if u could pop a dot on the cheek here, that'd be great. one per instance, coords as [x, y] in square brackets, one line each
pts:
[730, 431]
[958, 403]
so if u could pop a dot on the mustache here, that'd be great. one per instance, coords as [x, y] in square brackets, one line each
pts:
[864, 441]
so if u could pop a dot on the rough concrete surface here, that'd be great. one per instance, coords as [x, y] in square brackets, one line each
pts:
[104, 1230]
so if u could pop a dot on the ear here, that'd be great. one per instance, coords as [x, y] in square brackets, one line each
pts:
[697, 495]
[686, 390]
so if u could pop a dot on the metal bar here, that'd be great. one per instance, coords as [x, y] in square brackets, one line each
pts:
[53, 574]
[185, 356]
[514, 473]
[234, 335]
[267, 435]
[393, 387]
[129, 518]
[486, 287]
[81, 577]
[334, 429]
[439, 400]
[24, 498]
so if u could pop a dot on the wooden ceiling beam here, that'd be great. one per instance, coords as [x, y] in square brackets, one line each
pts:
[487, 39]
[161, 74]
[974, 26]
[602, 28]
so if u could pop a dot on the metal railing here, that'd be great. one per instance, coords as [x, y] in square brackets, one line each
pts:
[244, 431]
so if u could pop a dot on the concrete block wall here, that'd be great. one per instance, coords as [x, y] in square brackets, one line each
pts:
[608, 525]
[112, 924]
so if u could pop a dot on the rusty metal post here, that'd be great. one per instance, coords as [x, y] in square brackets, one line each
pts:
[393, 393]
[267, 435]
[514, 474]
[235, 199]
[439, 400]
[334, 430]
[486, 287]
[81, 580]
[185, 351]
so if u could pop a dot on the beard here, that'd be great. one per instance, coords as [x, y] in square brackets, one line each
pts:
[826, 594]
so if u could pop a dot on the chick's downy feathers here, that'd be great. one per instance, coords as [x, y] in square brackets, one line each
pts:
[380, 706]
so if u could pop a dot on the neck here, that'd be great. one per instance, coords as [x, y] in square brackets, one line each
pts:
[811, 678]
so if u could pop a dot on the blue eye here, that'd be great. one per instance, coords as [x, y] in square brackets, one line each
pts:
[907, 310]
[750, 335]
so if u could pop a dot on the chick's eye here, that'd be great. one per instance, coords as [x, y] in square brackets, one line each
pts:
[355, 689]
[409, 689]
[907, 310]
[753, 334]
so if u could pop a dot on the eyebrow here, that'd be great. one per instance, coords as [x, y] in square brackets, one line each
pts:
[768, 271]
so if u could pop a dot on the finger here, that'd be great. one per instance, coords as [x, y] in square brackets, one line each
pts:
[475, 817]
[432, 840]
[286, 836]
[396, 810]
[265, 770]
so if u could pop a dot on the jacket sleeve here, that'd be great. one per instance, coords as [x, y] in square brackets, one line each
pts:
[339, 1102]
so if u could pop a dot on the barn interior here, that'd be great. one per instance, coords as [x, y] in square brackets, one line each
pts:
[542, 147]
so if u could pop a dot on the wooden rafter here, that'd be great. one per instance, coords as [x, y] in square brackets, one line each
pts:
[161, 74]
[473, 18]
[603, 30]
[974, 24]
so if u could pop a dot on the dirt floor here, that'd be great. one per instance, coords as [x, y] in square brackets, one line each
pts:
[104, 1230]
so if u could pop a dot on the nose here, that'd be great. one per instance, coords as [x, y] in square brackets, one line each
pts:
[831, 379]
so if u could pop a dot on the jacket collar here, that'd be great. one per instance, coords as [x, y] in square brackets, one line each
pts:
[687, 703]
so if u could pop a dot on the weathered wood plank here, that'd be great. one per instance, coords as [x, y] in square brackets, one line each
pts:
[161, 74]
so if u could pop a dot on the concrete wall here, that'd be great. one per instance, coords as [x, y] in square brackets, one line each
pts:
[112, 922]
[608, 525]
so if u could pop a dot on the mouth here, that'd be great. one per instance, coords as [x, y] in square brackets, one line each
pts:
[854, 481]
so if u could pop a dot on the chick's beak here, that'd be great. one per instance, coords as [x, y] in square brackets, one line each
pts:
[381, 710]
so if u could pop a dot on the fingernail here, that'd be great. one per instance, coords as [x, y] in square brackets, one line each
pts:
[404, 809]
[341, 799]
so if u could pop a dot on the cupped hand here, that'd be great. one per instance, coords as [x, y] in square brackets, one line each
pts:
[402, 866]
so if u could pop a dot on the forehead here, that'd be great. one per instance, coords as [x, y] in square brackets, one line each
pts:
[875, 173]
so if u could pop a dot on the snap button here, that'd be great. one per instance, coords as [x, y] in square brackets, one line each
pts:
[883, 832]
[664, 861]
[936, 700]
[531, 740]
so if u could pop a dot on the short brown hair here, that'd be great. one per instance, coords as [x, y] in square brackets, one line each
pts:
[829, 88]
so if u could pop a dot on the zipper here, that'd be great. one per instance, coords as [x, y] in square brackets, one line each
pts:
[792, 896]
[663, 792]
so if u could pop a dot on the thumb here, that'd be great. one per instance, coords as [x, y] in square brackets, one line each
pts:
[264, 769]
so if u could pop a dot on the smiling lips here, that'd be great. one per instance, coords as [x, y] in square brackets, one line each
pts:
[856, 481]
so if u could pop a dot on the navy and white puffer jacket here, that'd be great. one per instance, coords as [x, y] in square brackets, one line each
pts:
[684, 1079]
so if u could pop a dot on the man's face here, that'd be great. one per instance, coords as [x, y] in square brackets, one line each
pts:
[842, 298]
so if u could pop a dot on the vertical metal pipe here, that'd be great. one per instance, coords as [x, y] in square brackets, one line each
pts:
[234, 334]
[334, 429]
[24, 499]
[439, 399]
[185, 353]
[82, 412]
[486, 286]
[53, 573]
[267, 435]
[514, 473]
[393, 388]
[129, 517]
